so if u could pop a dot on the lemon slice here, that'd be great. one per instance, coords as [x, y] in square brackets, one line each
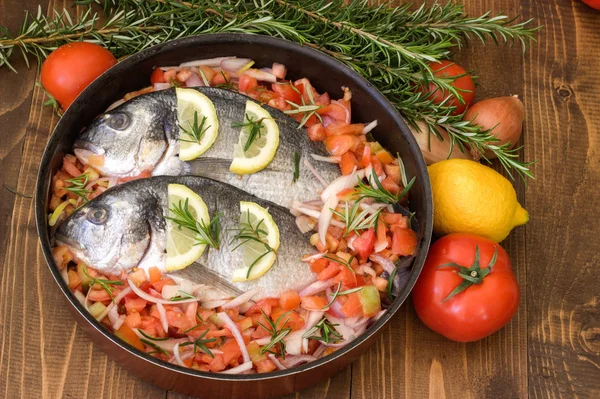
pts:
[263, 148]
[182, 250]
[260, 219]
[191, 102]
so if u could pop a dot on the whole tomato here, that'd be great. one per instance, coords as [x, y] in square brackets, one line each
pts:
[467, 289]
[595, 4]
[464, 86]
[72, 67]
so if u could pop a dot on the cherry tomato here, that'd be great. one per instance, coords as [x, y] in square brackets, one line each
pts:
[464, 85]
[595, 4]
[72, 67]
[483, 307]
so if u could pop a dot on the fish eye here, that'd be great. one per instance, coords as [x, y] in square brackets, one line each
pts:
[118, 121]
[97, 216]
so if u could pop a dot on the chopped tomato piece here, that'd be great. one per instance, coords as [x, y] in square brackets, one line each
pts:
[74, 279]
[231, 351]
[265, 366]
[289, 300]
[404, 241]
[390, 185]
[312, 120]
[287, 92]
[377, 165]
[135, 305]
[364, 244]
[217, 364]
[348, 163]
[348, 278]
[98, 295]
[158, 76]
[339, 145]
[287, 318]
[395, 219]
[316, 132]
[393, 172]
[155, 274]
[207, 71]
[323, 99]
[247, 83]
[329, 271]
[318, 265]
[70, 167]
[133, 320]
[158, 286]
[352, 306]
[152, 326]
[339, 128]
[314, 302]
[365, 160]
[384, 157]
[333, 110]
[220, 78]
[128, 335]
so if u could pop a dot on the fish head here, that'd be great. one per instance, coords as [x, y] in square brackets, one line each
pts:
[110, 233]
[131, 138]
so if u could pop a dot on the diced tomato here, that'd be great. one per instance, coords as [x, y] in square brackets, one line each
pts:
[364, 244]
[348, 279]
[247, 83]
[316, 132]
[333, 110]
[393, 172]
[339, 145]
[348, 163]
[225, 332]
[365, 159]
[220, 78]
[74, 279]
[384, 157]
[314, 302]
[287, 92]
[155, 274]
[286, 318]
[158, 76]
[389, 184]
[143, 175]
[207, 71]
[347, 194]
[133, 320]
[152, 326]
[318, 265]
[264, 305]
[323, 99]
[128, 335]
[217, 364]
[265, 366]
[404, 241]
[289, 300]
[381, 231]
[231, 351]
[183, 75]
[339, 128]
[135, 305]
[395, 219]
[98, 295]
[170, 75]
[329, 271]
[377, 165]
[261, 322]
[70, 168]
[158, 286]
[352, 306]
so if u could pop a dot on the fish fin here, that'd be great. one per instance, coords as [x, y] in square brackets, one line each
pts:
[212, 168]
[196, 272]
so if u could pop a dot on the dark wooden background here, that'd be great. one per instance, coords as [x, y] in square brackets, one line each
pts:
[550, 349]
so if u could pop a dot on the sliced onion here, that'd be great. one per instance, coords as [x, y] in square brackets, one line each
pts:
[177, 356]
[265, 69]
[154, 299]
[214, 303]
[236, 65]
[305, 223]
[113, 315]
[291, 361]
[80, 297]
[347, 332]
[326, 215]
[316, 287]
[211, 62]
[347, 109]
[311, 320]
[171, 68]
[316, 256]
[115, 104]
[366, 268]
[239, 369]
[370, 127]
[378, 316]
[335, 308]
[169, 291]
[236, 334]
[387, 264]
[245, 297]
[279, 70]
[315, 173]
[163, 316]
[319, 351]
[162, 86]
[337, 344]
[341, 183]
[350, 242]
[330, 159]
[244, 307]
[277, 362]
[194, 81]
[186, 286]
[115, 302]
[261, 75]
[262, 341]
[119, 322]
[112, 182]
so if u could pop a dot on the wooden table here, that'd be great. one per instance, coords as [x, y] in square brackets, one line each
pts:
[550, 349]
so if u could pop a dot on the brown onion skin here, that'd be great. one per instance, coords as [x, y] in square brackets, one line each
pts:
[507, 113]
[434, 149]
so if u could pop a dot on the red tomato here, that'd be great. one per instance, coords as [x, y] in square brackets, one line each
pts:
[348, 163]
[314, 302]
[595, 4]
[72, 67]
[316, 132]
[464, 85]
[318, 265]
[247, 83]
[404, 241]
[364, 244]
[339, 145]
[289, 300]
[286, 91]
[129, 336]
[481, 309]
[158, 76]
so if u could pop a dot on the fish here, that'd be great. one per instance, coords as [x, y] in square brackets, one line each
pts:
[142, 135]
[125, 227]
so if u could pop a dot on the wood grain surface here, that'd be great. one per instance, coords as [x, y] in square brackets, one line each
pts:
[550, 349]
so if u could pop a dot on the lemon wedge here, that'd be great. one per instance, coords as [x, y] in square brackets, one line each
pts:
[182, 247]
[198, 123]
[262, 149]
[257, 257]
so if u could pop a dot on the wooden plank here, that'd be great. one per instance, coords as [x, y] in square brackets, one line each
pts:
[561, 79]
[410, 360]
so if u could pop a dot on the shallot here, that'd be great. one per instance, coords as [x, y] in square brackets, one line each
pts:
[434, 149]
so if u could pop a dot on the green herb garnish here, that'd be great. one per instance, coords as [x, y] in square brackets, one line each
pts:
[150, 337]
[308, 110]
[296, 166]
[195, 130]
[254, 127]
[157, 349]
[107, 285]
[341, 261]
[358, 221]
[78, 184]
[277, 335]
[379, 193]
[209, 234]
[12, 190]
[337, 293]
[390, 284]
[247, 233]
[182, 295]
[200, 343]
[327, 332]
[227, 85]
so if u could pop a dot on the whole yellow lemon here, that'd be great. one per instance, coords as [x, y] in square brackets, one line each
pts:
[469, 197]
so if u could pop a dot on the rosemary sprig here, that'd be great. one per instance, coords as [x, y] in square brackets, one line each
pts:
[296, 166]
[277, 334]
[194, 130]
[247, 233]
[308, 110]
[341, 261]
[107, 285]
[326, 330]
[15, 192]
[157, 349]
[254, 128]
[182, 296]
[228, 85]
[77, 186]
[357, 221]
[338, 293]
[200, 343]
[389, 45]
[377, 192]
[208, 234]
[150, 337]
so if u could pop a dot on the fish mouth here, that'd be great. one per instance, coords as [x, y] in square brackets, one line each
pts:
[83, 149]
